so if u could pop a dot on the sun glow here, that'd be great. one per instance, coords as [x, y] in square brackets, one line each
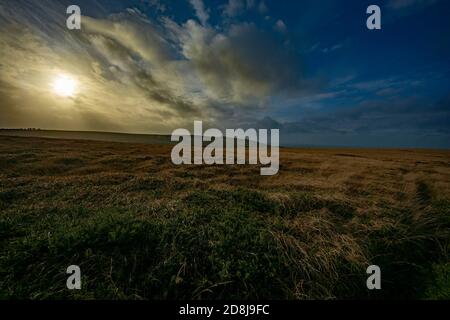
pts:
[64, 86]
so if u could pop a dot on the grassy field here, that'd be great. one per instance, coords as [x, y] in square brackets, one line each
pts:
[141, 228]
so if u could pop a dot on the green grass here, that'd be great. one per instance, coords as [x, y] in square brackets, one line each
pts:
[240, 247]
[125, 256]
[141, 228]
[439, 282]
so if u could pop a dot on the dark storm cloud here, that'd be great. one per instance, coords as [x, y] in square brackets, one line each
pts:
[412, 115]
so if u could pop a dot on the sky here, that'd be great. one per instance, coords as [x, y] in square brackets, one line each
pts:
[309, 68]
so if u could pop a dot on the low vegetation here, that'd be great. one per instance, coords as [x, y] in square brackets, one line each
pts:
[141, 228]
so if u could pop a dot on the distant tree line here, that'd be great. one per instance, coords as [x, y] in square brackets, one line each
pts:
[22, 129]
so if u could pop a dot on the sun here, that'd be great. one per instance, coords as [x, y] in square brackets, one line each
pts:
[64, 86]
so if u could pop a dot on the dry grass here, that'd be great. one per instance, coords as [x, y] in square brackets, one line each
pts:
[141, 227]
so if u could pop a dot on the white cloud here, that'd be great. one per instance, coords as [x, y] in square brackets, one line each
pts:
[333, 48]
[280, 26]
[234, 8]
[200, 11]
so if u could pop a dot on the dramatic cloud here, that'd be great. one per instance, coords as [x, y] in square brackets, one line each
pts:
[383, 116]
[136, 74]
[141, 67]
[236, 66]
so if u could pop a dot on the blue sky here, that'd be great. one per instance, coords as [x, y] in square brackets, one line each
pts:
[310, 68]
